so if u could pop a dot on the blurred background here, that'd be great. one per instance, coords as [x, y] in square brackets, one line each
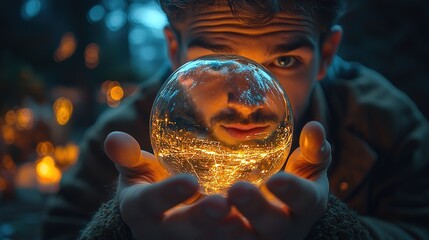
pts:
[64, 62]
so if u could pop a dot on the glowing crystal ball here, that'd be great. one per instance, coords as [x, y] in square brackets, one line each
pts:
[222, 118]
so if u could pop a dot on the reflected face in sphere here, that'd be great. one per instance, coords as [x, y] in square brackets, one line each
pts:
[233, 104]
[223, 118]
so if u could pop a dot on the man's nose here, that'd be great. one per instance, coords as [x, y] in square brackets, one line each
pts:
[245, 102]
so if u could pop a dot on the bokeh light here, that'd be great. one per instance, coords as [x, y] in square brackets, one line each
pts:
[3, 184]
[115, 20]
[63, 110]
[96, 13]
[24, 118]
[8, 134]
[44, 148]
[30, 9]
[66, 155]
[10, 118]
[92, 55]
[67, 47]
[113, 92]
[47, 171]
[116, 93]
[148, 15]
[8, 163]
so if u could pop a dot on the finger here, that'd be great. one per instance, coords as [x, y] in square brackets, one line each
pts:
[313, 156]
[122, 149]
[133, 164]
[145, 203]
[313, 142]
[265, 218]
[209, 218]
[202, 214]
[299, 194]
[233, 227]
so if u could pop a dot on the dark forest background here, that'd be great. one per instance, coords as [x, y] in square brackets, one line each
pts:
[91, 54]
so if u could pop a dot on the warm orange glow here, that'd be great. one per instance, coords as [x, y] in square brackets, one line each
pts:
[106, 85]
[44, 148]
[113, 91]
[72, 152]
[8, 134]
[26, 176]
[113, 104]
[116, 93]
[8, 163]
[3, 184]
[63, 109]
[10, 118]
[66, 48]
[67, 155]
[47, 172]
[24, 118]
[60, 154]
[91, 55]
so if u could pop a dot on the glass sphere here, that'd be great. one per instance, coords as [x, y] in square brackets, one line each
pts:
[222, 118]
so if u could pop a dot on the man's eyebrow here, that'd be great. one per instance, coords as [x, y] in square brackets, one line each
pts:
[292, 45]
[215, 47]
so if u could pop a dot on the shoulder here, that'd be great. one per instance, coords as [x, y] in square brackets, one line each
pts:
[367, 104]
[354, 83]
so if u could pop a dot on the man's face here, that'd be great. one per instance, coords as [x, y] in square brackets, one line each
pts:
[288, 47]
[236, 101]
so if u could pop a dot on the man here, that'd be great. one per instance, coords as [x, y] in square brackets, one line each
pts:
[379, 163]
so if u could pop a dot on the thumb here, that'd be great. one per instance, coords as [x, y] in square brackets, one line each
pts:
[122, 149]
[132, 164]
[313, 156]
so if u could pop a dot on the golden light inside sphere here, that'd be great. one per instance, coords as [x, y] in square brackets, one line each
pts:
[222, 118]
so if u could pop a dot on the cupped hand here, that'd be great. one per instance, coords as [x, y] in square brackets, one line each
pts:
[152, 203]
[292, 201]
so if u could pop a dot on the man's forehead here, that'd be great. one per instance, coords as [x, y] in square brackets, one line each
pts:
[221, 15]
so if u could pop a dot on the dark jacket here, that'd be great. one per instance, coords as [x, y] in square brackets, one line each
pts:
[380, 166]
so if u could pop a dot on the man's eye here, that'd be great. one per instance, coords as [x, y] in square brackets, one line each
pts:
[285, 61]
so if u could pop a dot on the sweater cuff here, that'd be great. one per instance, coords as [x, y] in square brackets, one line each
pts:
[338, 222]
[107, 224]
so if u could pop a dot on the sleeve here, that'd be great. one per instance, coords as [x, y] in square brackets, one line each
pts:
[90, 182]
[107, 224]
[398, 204]
[83, 188]
[338, 222]
[389, 184]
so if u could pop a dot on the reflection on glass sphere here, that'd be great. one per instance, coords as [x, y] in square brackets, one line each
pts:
[222, 118]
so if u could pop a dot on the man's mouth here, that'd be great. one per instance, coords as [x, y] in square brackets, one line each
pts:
[246, 131]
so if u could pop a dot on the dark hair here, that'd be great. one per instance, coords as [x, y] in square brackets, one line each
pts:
[258, 12]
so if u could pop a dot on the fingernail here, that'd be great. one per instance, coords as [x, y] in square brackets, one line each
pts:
[323, 148]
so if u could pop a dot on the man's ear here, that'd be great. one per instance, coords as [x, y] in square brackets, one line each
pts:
[172, 46]
[328, 49]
